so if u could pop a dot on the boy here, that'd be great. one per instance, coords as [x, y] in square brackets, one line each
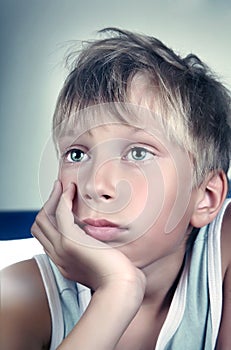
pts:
[137, 228]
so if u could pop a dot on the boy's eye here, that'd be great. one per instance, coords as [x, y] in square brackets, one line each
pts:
[76, 155]
[139, 154]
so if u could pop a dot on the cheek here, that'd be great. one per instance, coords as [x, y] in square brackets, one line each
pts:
[145, 197]
[159, 207]
[137, 196]
[180, 190]
[67, 176]
[148, 201]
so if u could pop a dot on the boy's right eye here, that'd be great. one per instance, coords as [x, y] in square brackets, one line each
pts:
[75, 155]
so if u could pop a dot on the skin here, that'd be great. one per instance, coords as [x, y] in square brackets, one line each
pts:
[133, 279]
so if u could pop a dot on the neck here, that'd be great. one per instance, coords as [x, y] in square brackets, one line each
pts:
[162, 279]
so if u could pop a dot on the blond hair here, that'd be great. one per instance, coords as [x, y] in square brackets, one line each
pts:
[194, 106]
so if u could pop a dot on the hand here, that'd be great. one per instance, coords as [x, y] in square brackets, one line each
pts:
[119, 286]
[78, 256]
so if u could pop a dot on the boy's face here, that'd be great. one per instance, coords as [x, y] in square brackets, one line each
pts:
[134, 187]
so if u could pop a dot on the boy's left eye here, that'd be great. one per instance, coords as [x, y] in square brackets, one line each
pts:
[139, 154]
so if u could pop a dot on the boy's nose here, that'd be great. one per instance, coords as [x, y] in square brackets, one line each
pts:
[101, 182]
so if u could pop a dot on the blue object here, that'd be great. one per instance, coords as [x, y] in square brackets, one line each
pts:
[229, 192]
[16, 224]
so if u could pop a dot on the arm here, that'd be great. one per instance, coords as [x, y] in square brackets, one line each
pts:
[224, 339]
[108, 315]
[24, 315]
[118, 285]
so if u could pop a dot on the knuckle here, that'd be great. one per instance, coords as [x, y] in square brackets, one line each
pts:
[58, 213]
[65, 242]
[60, 209]
[34, 229]
[41, 216]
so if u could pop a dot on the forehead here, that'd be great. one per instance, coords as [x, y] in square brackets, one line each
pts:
[134, 117]
[115, 133]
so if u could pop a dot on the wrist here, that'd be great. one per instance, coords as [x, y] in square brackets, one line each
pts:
[129, 288]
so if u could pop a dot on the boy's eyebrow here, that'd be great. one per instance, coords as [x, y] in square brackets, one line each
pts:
[135, 130]
[72, 132]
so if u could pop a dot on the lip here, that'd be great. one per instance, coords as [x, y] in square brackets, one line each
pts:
[101, 229]
[99, 223]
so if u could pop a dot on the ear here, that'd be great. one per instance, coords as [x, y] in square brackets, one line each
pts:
[209, 199]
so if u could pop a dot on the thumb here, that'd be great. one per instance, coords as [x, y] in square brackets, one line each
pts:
[64, 215]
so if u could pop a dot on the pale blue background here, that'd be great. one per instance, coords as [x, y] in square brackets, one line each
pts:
[33, 36]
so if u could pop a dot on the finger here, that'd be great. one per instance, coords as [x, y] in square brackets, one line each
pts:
[52, 202]
[43, 240]
[64, 215]
[44, 227]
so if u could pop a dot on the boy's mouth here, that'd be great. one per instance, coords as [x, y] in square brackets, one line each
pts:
[99, 223]
[102, 229]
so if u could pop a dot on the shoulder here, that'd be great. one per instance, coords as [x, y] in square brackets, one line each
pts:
[224, 340]
[24, 307]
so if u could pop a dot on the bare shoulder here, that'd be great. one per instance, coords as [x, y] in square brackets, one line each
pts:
[224, 339]
[25, 318]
